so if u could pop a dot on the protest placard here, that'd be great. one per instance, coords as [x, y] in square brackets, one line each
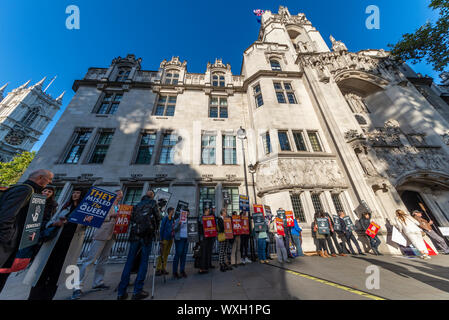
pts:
[237, 225]
[33, 221]
[123, 218]
[94, 208]
[228, 228]
[209, 227]
[290, 218]
[372, 230]
[245, 225]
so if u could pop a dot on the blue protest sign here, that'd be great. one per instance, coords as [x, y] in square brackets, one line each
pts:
[243, 203]
[94, 208]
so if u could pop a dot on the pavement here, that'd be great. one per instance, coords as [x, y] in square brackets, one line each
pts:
[305, 278]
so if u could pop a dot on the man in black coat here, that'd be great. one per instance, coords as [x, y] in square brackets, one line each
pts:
[14, 205]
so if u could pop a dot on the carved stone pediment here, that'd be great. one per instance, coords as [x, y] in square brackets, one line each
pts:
[174, 62]
[299, 173]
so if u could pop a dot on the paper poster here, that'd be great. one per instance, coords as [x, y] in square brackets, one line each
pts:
[123, 218]
[182, 205]
[259, 222]
[183, 216]
[267, 210]
[245, 225]
[237, 225]
[161, 194]
[280, 226]
[398, 237]
[258, 208]
[348, 223]
[228, 228]
[337, 224]
[372, 230]
[290, 218]
[33, 222]
[94, 208]
[323, 226]
[243, 203]
[192, 229]
[209, 227]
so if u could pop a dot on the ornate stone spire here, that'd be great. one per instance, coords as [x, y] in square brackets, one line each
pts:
[23, 86]
[59, 99]
[40, 83]
[2, 90]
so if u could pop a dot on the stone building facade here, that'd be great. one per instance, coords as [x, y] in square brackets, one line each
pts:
[24, 114]
[326, 129]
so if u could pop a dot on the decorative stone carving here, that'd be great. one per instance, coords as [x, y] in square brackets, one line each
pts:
[362, 154]
[352, 135]
[302, 173]
[387, 136]
[338, 46]
[356, 103]
[173, 62]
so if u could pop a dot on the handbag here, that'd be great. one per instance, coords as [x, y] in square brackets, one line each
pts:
[221, 237]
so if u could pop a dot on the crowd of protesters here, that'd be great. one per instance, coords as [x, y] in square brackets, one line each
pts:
[61, 241]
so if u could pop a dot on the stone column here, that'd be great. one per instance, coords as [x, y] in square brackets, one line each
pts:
[64, 193]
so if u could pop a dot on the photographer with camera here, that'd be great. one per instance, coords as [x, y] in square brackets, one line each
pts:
[144, 224]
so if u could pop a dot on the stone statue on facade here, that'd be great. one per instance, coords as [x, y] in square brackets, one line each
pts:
[362, 154]
[337, 46]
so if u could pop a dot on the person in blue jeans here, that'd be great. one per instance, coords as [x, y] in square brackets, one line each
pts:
[261, 245]
[145, 220]
[181, 247]
[297, 238]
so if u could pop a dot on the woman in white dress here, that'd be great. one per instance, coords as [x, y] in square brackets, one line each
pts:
[410, 227]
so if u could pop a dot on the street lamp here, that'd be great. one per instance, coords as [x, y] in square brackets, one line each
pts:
[252, 170]
[241, 134]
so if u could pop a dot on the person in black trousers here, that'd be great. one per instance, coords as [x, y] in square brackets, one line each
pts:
[206, 246]
[349, 235]
[333, 237]
[244, 238]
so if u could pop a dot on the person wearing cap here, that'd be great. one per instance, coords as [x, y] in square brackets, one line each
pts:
[426, 226]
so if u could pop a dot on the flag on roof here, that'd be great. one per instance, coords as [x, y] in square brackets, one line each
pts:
[258, 13]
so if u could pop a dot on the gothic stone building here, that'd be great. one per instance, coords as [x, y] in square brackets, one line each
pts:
[24, 114]
[326, 129]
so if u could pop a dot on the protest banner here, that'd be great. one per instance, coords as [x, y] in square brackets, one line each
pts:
[258, 208]
[33, 221]
[267, 210]
[397, 237]
[243, 203]
[259, 222]
[237, 225]
[245, 225]
[337, 224]
[123, 218]
[323, 226]
[290, 218]
[192, 229]
[209, 227]
[372, 230]
[94, 208]
[280, 227]
[162, 195]
[280, 214]
[183, 216]
[228, 228]
[348, 223]
[182, 205]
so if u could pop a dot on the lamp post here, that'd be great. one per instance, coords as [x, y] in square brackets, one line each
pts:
[252, 170]
[241, 134]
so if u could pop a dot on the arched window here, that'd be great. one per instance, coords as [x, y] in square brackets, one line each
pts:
[31, 115]
[275, 65]
[172, 77]
[218, 80]
[123, 74]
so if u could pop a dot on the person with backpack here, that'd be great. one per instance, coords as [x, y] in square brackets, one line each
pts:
[333, 237]
[103, 240]
[296, 233]
[166, 240]
[145, 219]
[14, 203]
[347, 230]
[365, 222]
[321, 230]
[280, 244]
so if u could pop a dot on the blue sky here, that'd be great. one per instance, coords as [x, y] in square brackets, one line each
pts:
[35, 42]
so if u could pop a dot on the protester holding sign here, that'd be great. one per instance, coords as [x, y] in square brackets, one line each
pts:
[365, 222]
[103, 240]
[333, 237]
[208, 231]
[166, 239]
[58, 252]
[426, 226]
[410, 227]
[181, 244]
[347, 229]
[321, 229]
[244, 238]
[229, 234]
[13, 212]
[260, 229]
[222, 240]
[237, 229]
[277, 228]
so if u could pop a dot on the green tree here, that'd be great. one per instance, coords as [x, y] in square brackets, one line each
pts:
[429, 42]
[10, 172]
